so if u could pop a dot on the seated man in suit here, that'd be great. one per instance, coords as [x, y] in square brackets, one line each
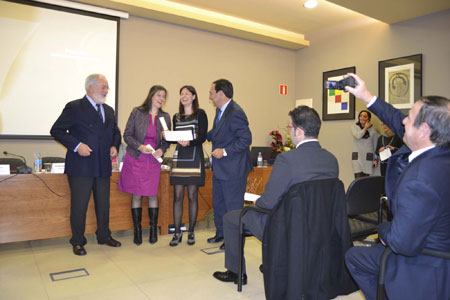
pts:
[307, 162]
[417, 186]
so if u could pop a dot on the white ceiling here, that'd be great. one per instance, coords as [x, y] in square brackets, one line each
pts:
[288, 15]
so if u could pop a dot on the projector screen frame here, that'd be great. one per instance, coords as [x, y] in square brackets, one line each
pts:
[80, 12]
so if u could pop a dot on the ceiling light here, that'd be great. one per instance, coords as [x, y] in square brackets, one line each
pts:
[310, 4]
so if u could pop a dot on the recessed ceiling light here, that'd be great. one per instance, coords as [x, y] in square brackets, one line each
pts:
[310, 4]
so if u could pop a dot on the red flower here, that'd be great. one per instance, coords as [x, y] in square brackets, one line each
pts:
[277, 144]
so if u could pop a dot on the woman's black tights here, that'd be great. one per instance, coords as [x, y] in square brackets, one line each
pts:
[178, 206]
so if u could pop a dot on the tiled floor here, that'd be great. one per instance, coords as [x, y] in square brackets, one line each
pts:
[151, 272]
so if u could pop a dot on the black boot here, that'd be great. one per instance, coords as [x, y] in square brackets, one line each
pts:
[153, 216]
[137, 218]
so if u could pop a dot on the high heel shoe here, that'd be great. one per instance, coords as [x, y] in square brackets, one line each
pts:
[191, 239]
[177, 237]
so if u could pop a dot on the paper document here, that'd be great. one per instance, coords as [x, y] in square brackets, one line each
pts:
[180, 135]
[4, 170]
[58, 168]
[251, 197]
[385, 154]
[159, 159]
[163, 123]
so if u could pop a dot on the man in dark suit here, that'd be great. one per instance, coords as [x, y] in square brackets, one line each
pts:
[231, 139]
[88, 129]
[417, 186]
[309, 161]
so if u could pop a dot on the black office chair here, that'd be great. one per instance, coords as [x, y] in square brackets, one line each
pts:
[365, 206]
[310, 227]
[381, 292]
[52, 159]
[14, 164]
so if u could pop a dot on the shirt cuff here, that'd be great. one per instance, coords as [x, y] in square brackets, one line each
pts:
[372, 101]
[76, 148]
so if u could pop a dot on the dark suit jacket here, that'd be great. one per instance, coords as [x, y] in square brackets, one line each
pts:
[233, 134]
[136, 129]
[307, 162]
[79, 122]
[305, 241]
[420, 204]
[393, 118]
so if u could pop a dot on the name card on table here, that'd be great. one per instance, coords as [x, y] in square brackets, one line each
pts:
[4, 170]
[58, 168]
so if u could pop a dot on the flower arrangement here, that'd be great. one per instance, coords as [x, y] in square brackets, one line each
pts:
[288, 143]
[277, 144]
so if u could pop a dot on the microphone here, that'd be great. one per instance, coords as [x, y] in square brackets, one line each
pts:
[21, 169]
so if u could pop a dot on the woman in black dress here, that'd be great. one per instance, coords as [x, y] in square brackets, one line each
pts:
[188, 165]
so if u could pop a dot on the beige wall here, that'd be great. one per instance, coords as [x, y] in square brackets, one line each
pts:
[154, 52]
[362, 45]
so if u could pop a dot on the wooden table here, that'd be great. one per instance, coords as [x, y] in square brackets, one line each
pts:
[31, 211]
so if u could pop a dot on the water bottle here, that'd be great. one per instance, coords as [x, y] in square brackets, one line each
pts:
[37, 162]
[260, 160]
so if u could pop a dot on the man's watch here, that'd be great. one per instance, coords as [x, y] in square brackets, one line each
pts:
[224, 152]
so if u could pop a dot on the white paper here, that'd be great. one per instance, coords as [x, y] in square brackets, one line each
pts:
[251, 197]
[180, 135]
[4, 170]
[58, 168]
[159, 159]
[163, 123]
[385, 154]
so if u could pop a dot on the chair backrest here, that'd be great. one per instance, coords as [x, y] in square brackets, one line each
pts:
[305, 241]
[363, 195]
[13, 163]
[52, 159]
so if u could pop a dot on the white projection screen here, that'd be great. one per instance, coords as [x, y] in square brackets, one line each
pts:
[46, 54]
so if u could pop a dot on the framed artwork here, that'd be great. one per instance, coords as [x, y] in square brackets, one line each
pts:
[400, 80]
[337, 104]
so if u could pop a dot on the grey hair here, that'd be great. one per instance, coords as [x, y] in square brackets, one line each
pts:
[435, 111]
[91, 80]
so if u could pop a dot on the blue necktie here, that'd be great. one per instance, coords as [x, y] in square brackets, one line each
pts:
[219, 113]
[99, 112]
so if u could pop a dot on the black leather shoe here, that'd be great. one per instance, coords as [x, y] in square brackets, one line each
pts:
[222, 247]
[215, 239]
[79, 250]
[229, 276]
[111, 242]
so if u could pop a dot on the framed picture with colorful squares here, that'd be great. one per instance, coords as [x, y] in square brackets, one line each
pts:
[337, 104]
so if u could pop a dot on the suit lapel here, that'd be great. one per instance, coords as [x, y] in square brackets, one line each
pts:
[405, 170]
[92, 112]
[225, 114]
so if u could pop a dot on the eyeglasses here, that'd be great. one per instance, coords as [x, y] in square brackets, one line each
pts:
[103, 87]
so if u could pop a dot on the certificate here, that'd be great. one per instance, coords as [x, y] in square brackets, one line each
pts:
[179, 135]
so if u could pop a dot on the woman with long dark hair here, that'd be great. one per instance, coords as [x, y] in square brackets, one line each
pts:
[188, 165]
[365, 141]
[141, 168]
